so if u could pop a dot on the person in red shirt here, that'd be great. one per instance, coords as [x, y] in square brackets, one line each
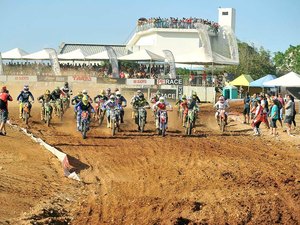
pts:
[4, 97]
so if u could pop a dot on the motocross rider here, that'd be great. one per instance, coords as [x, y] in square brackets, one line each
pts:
[222, 104]
[109, 105]
[133, 99]
[189, 104]
[55, 95]
[85, 92]
[120, 100]
[158, 106]
[101, 98]
[45, 98]
[76, 99]
[83, 105]
[23, 97]
[156, 97]
[140, 102]
[67, 91]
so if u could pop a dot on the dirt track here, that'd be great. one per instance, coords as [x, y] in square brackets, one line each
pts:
[136, 178]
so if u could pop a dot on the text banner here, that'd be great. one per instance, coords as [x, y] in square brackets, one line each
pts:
[140, 81]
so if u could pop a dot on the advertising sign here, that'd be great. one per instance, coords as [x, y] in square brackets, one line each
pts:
[107, 80]
[140, 81]
[82, 78]
[52, 78]
[169, 81]
[22, 78]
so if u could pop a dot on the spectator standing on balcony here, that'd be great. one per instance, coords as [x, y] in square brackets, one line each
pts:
[4, 97]
[192, 78]
[204, 76]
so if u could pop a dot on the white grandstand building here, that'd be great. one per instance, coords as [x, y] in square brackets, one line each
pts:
[193, 46]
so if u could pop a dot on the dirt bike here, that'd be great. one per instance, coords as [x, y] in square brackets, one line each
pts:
[115, 120]
[59, 109]
[26, 111]
[141, 118]
[100, 112]
[65, 102]
[84, 123]
[162, 122]
[222, 120]
[190, 122]
[180, 112]
[47, 113]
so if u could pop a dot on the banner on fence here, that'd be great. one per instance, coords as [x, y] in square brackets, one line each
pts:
[169, 81]
[52, 78]
[140, 81]
[82, 78]
[167, 93]
[22, 78]
[107, 80]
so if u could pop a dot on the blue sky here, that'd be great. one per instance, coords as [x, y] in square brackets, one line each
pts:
[36, 24]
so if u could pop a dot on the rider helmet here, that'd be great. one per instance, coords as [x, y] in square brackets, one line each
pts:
[102, 93]
[183, 97]
[112, 98]
[221, 99]
[85, 100]
[66, 84]
[47, 92]
[161, 99]
[108, 90]
[57, 89]
[118, 94]
[4, 88]
[85, 92]
[26, 88]
[80, 93]
[116, 89]
[158, 93]
[138, 91]
[141, 95]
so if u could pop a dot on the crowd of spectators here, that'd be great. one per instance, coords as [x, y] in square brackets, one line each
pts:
[89, 69]
[140, 71]
[184, 23]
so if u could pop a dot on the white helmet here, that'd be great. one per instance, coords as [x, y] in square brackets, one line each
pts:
[84, 92]
[118, 94]
[162, 99]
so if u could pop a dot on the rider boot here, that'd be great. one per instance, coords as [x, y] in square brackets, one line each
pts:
[21, 111]
[78, 124]
[108, 122]
[42, 114]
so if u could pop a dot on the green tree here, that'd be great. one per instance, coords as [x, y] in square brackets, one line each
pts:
[288, 61]
[253, 61]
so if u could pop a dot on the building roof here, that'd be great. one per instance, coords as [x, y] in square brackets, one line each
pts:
[91, 49]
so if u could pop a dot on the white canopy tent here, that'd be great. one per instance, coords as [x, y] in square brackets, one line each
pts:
[290, 79]
[15, 53]
[142, 55]
[101, 56]
[40, 55]
[77, 54]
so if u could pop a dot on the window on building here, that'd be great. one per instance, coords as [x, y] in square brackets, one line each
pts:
[225, 13]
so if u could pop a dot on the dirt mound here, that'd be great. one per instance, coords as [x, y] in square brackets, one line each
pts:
[141, 178]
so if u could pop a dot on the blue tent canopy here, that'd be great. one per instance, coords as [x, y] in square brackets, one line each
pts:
[260, 81]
